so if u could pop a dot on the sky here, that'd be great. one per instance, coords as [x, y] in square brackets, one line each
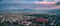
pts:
[22, 4]
[25, 1]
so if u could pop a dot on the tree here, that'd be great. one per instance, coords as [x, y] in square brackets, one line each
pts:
[4, 23]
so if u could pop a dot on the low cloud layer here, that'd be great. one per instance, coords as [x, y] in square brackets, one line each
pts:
[22, 4]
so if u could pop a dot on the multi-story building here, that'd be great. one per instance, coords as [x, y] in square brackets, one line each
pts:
[2, 18]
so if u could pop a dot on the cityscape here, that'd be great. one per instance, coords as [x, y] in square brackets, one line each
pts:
[29, 12]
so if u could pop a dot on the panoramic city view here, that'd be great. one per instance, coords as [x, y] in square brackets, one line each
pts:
[29, 12]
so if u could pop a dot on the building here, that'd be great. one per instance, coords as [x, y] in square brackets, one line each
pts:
[2, 18]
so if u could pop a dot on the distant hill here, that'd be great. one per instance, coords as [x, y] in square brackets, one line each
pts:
[31, 10]
[3, 10]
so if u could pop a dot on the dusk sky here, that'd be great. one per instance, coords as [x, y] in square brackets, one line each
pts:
[21, 4]
[26, 1]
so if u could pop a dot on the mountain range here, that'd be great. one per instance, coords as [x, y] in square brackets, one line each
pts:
[31, 10]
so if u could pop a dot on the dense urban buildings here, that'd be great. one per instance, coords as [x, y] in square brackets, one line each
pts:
[29, 12]
[30, 18]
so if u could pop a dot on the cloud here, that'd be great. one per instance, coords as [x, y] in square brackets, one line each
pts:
[23, 6]
[17, 4]
[16, 1]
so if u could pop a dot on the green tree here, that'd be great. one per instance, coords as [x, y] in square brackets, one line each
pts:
[4, 23]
